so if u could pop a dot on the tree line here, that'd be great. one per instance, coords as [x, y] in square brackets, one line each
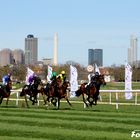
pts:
[19, 71]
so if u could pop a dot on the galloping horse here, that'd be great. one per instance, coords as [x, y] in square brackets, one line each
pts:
[62, 92]
[91, 90]
[99, 81]
[5, 91]
[55, 92]
[31, 91]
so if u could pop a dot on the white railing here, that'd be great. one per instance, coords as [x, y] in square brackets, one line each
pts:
[110, 92]
[116, 92]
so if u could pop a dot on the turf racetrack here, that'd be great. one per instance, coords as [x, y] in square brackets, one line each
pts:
[102, 122]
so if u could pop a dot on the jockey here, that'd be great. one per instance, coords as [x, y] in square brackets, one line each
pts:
[90, 77]
[53, 77]
[51, 81]
[93, 78]
[62, 76]
[31, 80]
[6, 79]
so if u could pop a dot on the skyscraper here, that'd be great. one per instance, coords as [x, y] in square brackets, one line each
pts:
[18, 56]
[90, 57]
[6, 57]
[31, 50]
[95, 56]
[132, 51]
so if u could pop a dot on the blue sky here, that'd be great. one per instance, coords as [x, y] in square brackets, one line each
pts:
[80, 24]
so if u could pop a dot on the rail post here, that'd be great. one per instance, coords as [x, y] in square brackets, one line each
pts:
[136, 97]
[17, 98]
[117, 101]
[110, 98]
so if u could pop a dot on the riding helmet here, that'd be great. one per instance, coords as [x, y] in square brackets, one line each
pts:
[63, 72]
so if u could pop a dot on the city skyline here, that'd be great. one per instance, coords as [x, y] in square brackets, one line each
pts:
[81, 25]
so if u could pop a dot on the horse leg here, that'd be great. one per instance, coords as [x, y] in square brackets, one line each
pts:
[35, 97]
[96, 101]
[90, 101]
[1, 99]
[26, 101]
[7, 101]
[32, 98]
[58, 103]
[45, 101]
[68, 101]
[84, 100]
[35, 100]
[48, 100]
[96, 98]
[52, 101]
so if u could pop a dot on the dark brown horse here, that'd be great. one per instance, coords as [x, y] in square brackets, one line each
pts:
[91, 91]
[31, 91]
[5, 91]
[55, 92]
[100, 80]
[62, 93]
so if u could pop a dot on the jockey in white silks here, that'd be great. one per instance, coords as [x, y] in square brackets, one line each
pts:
[90, 75]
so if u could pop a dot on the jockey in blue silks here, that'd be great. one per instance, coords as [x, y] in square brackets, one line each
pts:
[6, 79]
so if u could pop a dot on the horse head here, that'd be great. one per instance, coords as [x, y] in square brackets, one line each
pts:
[37, 81]
[101, 80]
[66, 84]
[58, 81]
[9, 86]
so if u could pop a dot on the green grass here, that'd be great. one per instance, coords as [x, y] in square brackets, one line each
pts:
[102, 122]
[119, 86]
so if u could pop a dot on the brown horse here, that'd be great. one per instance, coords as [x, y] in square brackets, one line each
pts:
[62, 93]
[91, 91]
[5, 91]
[99, 81]
[55, 92]
[82, 91]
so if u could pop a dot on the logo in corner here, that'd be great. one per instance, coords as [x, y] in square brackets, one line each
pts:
[135, 134]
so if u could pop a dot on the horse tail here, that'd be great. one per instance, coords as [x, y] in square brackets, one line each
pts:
[78, 93]
[22, 93]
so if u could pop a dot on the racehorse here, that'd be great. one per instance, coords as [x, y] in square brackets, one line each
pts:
[31, 91]
[62, 92]
[5, 91]
[99, 81]
[55, 92]
[91, 91]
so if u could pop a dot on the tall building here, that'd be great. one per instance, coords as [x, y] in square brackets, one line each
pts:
[31, 50]
[6, 57]
[90, 57]
[133, 50]
[18, 56]
[95, 56]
